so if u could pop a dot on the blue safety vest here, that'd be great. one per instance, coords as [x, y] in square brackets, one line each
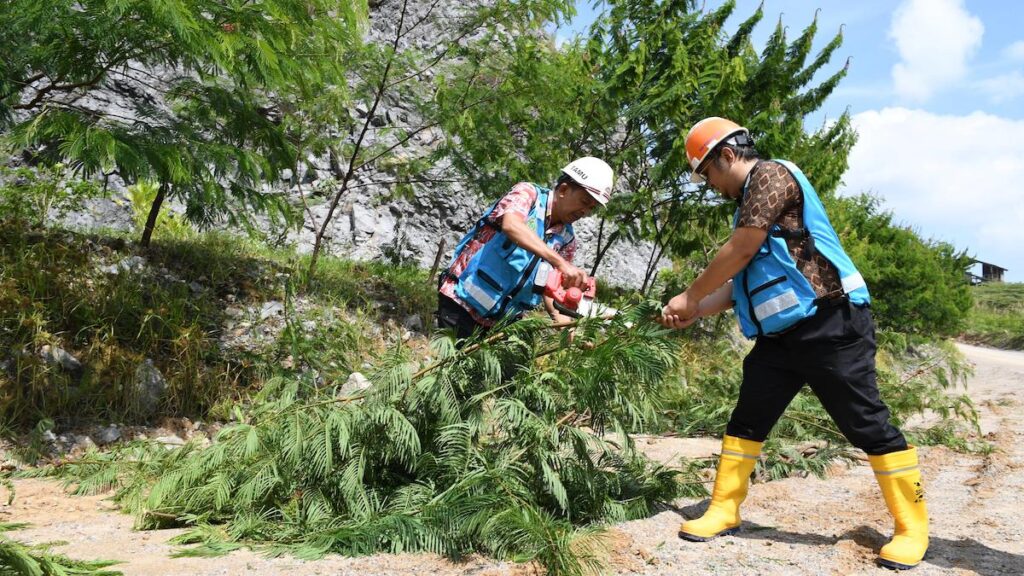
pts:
[499, 279]
[771, 294]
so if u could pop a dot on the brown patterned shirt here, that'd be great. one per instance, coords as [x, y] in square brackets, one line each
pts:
[773, 197]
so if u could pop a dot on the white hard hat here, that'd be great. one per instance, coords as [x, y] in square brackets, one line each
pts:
[594, 175]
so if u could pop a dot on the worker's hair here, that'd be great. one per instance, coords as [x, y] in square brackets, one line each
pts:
[566, 179]
[741, 152]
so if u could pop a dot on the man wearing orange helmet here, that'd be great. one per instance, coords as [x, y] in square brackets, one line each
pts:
[795, 290]
[492, 272]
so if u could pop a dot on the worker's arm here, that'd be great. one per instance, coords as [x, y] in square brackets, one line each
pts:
[718, 301]
[514, 225]
[732, 258]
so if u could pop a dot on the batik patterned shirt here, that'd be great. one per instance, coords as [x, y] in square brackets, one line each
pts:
[773, 197]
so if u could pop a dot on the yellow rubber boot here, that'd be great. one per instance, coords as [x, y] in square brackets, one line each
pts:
[723, 515]
[900, 479]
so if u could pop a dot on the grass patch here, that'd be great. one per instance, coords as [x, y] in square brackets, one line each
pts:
[997, 318]
[83, 316]
[112, 315]
[394, 292]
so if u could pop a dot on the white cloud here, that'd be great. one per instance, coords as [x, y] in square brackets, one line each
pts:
[954, 178]
[1015, 51]
[1004, 87]
[934, 38]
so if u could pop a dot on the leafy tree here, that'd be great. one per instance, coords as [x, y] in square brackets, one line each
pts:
[629, 94]
[185, 94]
[460, 67]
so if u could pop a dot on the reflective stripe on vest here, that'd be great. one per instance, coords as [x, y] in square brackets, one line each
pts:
[498, 280]
[770, 293]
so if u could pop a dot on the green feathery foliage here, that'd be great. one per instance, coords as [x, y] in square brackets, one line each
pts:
[516, 445]
[18, 559]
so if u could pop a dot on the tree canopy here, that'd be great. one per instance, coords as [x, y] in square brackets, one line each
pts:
[181, 93]
[215, 102]
[647, 71]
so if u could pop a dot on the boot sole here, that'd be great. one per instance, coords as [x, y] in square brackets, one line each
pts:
[695, 538]
[892, 565]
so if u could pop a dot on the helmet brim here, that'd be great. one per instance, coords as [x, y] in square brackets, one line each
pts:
[601, 198]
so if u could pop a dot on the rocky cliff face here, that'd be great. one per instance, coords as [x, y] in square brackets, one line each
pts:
[371, 223]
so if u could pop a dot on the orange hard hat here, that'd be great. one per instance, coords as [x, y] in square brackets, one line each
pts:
[704, 137]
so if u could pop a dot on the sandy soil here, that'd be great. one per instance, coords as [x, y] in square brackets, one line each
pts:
[794, 526]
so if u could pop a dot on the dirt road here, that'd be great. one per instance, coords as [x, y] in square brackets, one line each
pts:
[795, 526]
[836, 526]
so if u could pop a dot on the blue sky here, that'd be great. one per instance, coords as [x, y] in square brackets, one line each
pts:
[936, 91]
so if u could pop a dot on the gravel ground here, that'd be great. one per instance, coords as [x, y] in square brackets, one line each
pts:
[794, 526]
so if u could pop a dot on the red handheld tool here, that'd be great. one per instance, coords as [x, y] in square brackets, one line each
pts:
[571, 301]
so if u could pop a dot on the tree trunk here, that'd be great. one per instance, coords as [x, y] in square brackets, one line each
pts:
[154, 211]
[350, 170]
[597, 249]
[437, 261]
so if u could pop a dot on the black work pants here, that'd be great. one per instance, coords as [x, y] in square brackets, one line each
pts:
[450, 315]
[834, 353]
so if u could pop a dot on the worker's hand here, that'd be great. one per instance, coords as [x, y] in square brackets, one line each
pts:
[572, 276]
[558, 319]
[680, 312]
[562, 320]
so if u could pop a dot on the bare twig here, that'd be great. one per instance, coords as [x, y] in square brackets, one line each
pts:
[814, 424]
[381, 88]
[43, 91]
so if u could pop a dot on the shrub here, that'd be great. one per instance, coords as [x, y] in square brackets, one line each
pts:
[917, 286]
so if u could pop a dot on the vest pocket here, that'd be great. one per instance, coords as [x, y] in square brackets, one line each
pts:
[485, 286]
[773, 303]
[490, 280]
[768, 285]
[480, 297]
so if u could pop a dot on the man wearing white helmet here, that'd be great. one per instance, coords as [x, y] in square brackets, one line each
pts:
[491, 274]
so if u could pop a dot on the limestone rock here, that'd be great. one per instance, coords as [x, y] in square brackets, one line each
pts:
[56, 356]
[355, 384]
[150, 387]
